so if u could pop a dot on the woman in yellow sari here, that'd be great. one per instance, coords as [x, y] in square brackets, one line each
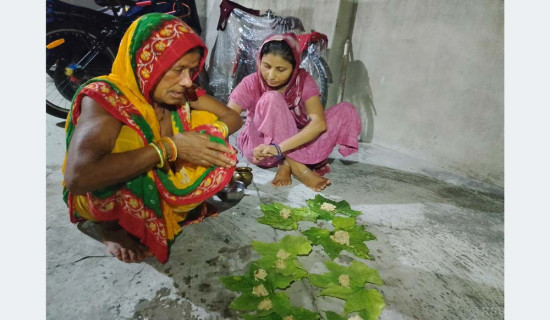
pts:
[145, 147]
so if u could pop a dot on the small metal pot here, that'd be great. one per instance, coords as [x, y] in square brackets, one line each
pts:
[233, 191]
[243, 174]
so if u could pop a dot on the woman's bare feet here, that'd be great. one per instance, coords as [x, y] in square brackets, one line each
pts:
[118, 241]
[283, 175]
[312, 180]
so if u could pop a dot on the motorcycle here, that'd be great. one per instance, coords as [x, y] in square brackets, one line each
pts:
[81, 43]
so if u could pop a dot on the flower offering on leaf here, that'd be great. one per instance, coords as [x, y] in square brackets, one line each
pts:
[265, 305]
[260, 274]
[282, 254]
[328, 206]
[341, 237]
[260, 291]
[343, 280]
[285, 213]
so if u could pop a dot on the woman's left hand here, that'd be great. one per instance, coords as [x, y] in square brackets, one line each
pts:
[263, 151]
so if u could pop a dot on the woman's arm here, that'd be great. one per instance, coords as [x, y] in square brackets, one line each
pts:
[312, 130]
[226, 115]
[234, 106]
[90, 163]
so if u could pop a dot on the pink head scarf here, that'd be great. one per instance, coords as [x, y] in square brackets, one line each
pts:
[295, 87]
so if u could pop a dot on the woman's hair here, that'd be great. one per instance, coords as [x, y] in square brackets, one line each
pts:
[279, 48]
[198, 49]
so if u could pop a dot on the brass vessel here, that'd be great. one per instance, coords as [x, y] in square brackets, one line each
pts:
[243, 174]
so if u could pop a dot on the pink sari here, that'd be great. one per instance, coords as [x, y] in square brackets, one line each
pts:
[273, 117]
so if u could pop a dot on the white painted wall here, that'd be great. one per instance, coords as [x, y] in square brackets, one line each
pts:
[432, 69]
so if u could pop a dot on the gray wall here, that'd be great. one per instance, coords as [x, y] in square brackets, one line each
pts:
[427, 75]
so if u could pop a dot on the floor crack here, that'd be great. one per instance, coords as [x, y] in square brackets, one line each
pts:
[86, 257]
[135, 275]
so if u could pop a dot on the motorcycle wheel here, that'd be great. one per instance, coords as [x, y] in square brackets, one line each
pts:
[60, 84]
[318, 69]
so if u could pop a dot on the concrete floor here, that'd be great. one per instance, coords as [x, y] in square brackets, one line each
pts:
[439, 247]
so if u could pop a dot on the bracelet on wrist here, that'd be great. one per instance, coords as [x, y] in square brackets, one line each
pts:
[159, 152]
[279, 155]
[222, 127]
[173, 147]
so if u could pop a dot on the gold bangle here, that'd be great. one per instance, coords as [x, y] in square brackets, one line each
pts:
[162, 149]
[172, 146]
[161, 164]
[223, 128]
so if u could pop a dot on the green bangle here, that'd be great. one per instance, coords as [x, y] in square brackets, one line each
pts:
[161, 164]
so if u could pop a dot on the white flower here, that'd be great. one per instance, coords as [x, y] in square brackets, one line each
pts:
[288, 318]
[265, 305]
[285, 213]
[328, 206]
[341, 237]
[260, 274]
[355, 318]
[260, 291]
[280, 264]
[343, 280]
[282, 254]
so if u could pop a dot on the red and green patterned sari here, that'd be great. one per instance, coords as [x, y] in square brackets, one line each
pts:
[154, 205]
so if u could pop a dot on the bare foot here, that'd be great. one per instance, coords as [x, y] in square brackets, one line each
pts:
[118, 241]
[312, 180]
[283, 175]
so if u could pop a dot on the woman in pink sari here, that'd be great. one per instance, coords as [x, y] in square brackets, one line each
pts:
[286, 124]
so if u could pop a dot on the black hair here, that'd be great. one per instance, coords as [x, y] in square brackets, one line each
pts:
[197, 49]
[279, 48]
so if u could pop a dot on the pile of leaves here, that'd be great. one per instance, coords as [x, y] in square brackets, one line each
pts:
[262, 289]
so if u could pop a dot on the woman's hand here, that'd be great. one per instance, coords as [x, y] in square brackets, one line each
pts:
[196, 148]
[263, 151]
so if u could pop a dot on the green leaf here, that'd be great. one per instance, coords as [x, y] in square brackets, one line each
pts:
[293, 313]
[283, 217]
[369, 300]
[316, 235]
[356, 236]
[304, 214]
[273, 217]
[334, 316]
[373, 314]
[246, 302]
[341, 281]
[343, 222]
[278, 222]
[321, 237]
[280, 302]
[293, 245]
[342, 207]
[337, 292]
[277, 302]
[303, 314]
[289, 267]
[273, 278]
[237, 283]
[280, 258]
[271, 316]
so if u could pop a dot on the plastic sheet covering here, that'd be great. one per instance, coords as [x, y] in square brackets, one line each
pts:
[234, 54]
[314, 60]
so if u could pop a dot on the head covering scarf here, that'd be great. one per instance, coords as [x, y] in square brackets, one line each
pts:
[153, 205]
[295, 85]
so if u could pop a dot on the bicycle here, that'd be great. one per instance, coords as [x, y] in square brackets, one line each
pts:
[241, 31]
[81, 43]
